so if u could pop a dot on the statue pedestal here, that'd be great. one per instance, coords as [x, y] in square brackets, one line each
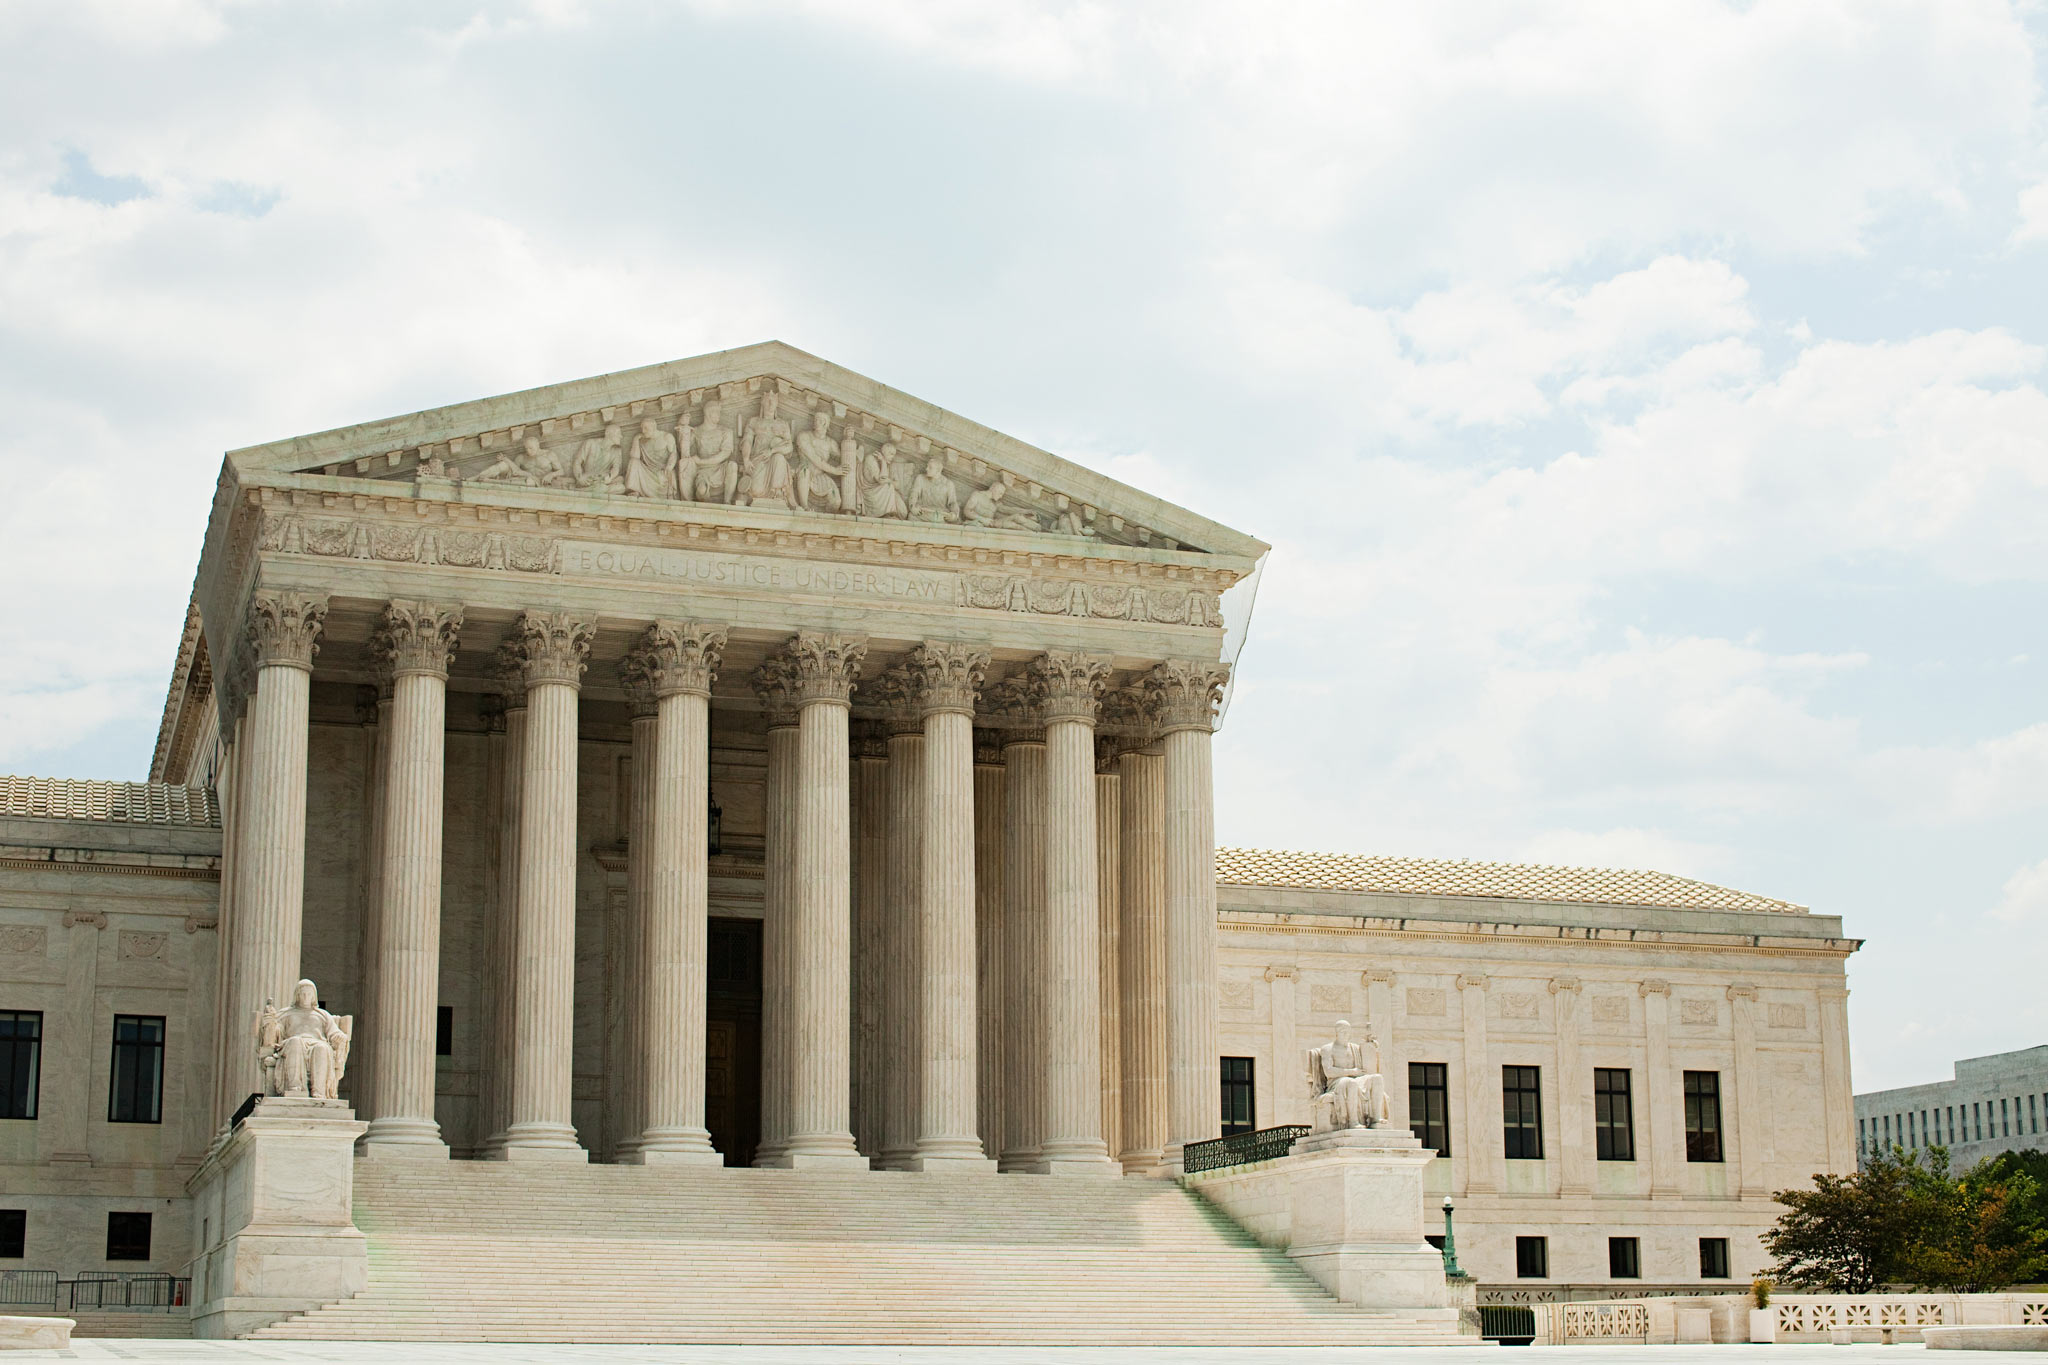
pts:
[1355, 1217]
[273, 1228]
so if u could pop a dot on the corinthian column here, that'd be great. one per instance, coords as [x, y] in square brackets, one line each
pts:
[872, 882]
[643, 708]
[947, 1138]
[776, 684]
[988, 932]
[1108, 893]
[902, 946]
[1141, 956]
[501, 935]
[416, 639]
[820, 1135]
[1017, 701]
[681, 660]
[552, 648]
[1184, 696]
[270, 886]
[1072, 964]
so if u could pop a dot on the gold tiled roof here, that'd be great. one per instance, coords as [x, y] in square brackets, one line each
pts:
[1502, 881]
[133, 803]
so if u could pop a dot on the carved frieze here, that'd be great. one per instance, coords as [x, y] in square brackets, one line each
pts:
[1329, 999]
[1519, 1005]
[1695, 1011]
[24, 940]
[1783, 1014]
[1235, 995]
[1426, 1002]
[141, 947]
[1610, 1009]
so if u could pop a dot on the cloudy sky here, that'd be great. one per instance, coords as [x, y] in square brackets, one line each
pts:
[1645, 402]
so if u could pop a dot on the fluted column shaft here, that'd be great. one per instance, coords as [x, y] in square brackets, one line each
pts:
[680, 660]
[948, 1065]
[872, 882]
[234, 769]
[820, 1128]
[1194, 1106]
[542, 1067]
[1108, 892]
[902, 1014]
[1024, 1028]
[271, 887]
[1141, 957]
[409, 933]
[778, 938]
[501, 935]
[640, 704]
[988, 942]
[362, 1055]
[1072, 964]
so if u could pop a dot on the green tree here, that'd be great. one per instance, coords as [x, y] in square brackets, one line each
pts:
[1849, 1234]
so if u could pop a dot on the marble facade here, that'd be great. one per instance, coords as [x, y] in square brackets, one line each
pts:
[463, 695]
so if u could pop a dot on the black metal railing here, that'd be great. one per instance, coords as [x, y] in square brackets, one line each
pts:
[28, 1288]
[1508, 1324]
[248, 1108]
[97, 1291]
[1239, 1149]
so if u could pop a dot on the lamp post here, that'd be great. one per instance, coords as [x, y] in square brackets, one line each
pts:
[1450, 1243]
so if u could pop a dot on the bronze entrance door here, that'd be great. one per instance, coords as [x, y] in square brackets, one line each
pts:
[732, 1039]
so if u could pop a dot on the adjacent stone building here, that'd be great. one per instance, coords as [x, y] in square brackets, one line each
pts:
[740, 762]
[1993, 1104]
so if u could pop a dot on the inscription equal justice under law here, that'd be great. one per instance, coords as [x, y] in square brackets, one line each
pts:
[743, 572]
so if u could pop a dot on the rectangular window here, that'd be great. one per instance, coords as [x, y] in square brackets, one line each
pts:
[1702, 1116]
[13, 1234]
[21, 1062]
[1977, 1119]
[444, 1030]
[2033, 1118]
[1521, 1103]
[1614, 1123]
[1862, 1140]
[1237, 1096]
[138, 1089]
[1429, 1104]
[2004, 1121]
[127, 1236]
[1532, 1258]
[1624, 1258]
[1713, 1258]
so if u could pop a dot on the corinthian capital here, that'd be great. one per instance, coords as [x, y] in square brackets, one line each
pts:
[893, 694]
[1073, 681]
[682, 656]
[637, 681]
[827, 666]
[949, 676]
[284, 627]
[417, 637]
[775, 683]
[1017, 703]
[553, 647]
[1185, 692]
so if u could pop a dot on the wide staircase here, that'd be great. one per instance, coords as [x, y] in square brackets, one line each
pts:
[477, 1251]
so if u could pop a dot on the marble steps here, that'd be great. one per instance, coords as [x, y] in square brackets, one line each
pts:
[483, 1251]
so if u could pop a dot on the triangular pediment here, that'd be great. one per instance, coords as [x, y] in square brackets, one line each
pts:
[766, 427]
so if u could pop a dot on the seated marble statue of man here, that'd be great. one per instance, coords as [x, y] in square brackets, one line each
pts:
[303, 1050]
[1345, 1087]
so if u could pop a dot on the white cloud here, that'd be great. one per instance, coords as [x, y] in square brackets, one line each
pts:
[2024, 898]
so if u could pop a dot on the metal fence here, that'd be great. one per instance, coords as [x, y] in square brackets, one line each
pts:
[28, 1288]
[1263, 1144]
[96, 1291]
[1510, 1325]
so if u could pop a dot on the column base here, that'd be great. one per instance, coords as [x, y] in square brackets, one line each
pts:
[769, 1154]
[1020, 1161]
[894, 1159]
[1100, 1167]
[1141, 1163]
[673, 1147]
[540, 1142]
[821, 1152]
[952, 1163]
[403, 1139]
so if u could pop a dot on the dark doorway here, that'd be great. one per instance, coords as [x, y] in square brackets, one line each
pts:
[732, 1043]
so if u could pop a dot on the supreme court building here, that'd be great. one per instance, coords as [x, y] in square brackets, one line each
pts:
[739, 763]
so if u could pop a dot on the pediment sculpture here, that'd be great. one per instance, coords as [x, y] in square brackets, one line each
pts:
[765, 443]
[1346, 1089]
[302, 1049]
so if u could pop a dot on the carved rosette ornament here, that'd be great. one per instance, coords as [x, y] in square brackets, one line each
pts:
[1073, 682]
[775, 684]
[284, 627]
[417, 637]
[554, 647]
[1185, 692]
[1017, 703]
[682, 656]
[636, 679]
[827, 666]
[949, 676]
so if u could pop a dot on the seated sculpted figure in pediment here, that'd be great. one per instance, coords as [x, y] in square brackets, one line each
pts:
[1345, 1087]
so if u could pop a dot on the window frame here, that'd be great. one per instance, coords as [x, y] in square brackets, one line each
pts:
[1614, 1139]
[14, 1049]
[14, 1233]
[1431, 1081]
[126, 1250]
[1524, 1247]
[1700, 1087]
[149, 1053]
[1706, 1272]
[1244, 1087]
[1521, 1108]
[1624, 1252]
